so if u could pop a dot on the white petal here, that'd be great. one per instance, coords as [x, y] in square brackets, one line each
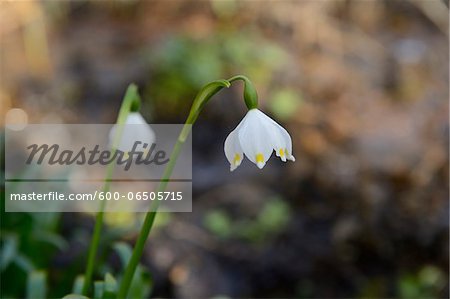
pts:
[282, 139]
[284, 147]
[287, 142]
[233, 150]
[232, 147]
[255, 138]
[135, 118]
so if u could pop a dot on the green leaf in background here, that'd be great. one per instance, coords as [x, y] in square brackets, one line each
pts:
[141, 285]
[51, 238]
[78, 284]
[409, 287]
[218, 223]
[36, 285]
[424, 284]
[124, 251]
[142, 282]
[110, 287]
[8, 251]
[284, 103]
[274, 216]
[271, 219]
[98, 289]
[224, 9]
[23, 263]
[162, 220]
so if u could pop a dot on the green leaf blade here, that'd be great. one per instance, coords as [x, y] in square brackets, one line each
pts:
[36, 285]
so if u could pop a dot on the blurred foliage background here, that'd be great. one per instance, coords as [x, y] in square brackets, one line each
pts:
[362, 86]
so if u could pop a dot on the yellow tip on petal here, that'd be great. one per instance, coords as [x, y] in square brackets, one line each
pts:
[281, 154]
[237, 159]
[236, 162]
[260, 160]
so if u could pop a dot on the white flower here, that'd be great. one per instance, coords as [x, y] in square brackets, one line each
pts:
[135, 129]
[256, 136]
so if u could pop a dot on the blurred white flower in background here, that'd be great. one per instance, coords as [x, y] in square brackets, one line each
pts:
[256, 136]
[135, 129]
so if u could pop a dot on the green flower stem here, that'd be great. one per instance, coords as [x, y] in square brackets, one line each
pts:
[199, 102]
[131, 102]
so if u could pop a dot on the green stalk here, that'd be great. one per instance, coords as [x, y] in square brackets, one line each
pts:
[131, 102]
[201, 99]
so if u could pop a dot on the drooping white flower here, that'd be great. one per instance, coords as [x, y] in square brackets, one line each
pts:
[256, 136]
[135, 129]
